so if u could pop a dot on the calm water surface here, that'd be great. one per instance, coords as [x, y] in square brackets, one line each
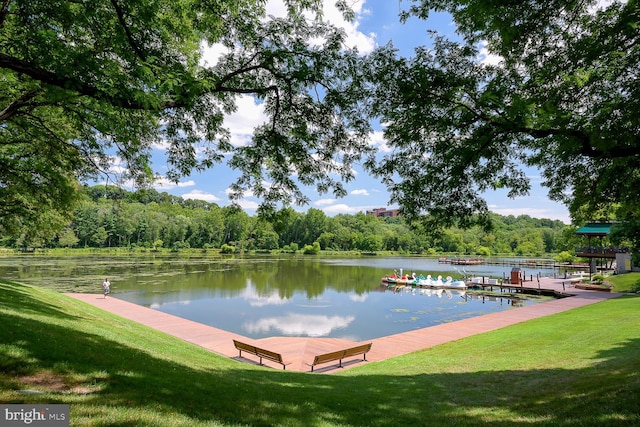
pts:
[262, 297]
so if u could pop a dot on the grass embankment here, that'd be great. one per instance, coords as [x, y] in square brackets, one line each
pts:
[580, 367]
[629, 282]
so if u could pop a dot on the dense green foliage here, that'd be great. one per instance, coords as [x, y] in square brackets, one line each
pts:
[578, 367]
[85, 85]
[85, 82]
[112, 217]
[561, 94]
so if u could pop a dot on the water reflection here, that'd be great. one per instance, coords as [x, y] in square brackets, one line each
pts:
[261, 297]
[296, 324]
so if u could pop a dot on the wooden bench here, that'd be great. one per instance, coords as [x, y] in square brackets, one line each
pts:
[341, 354]
[260, 352]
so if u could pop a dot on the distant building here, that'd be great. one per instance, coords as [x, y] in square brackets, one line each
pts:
[383, 212]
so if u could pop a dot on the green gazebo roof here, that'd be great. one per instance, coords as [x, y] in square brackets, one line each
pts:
[595, 229]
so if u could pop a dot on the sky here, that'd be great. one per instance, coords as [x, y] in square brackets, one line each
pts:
[376, 24]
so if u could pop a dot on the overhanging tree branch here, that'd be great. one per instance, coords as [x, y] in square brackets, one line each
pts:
[69, 83]
[13, 108]
[83, 88]
[3, 11]
[587, 148]
[132, 43]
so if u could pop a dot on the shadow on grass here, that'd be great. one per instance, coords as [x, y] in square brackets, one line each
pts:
[208, 390]
[18, 295]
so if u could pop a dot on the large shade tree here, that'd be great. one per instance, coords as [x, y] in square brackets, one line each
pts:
[564, 98]
[82, 81]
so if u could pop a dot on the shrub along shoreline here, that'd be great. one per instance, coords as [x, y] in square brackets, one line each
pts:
[574, 368]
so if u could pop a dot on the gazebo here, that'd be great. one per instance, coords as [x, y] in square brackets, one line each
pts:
[594, 252]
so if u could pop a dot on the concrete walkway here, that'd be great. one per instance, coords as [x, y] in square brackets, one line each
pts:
[298, 352]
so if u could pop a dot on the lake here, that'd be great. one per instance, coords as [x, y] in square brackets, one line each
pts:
[276, 296]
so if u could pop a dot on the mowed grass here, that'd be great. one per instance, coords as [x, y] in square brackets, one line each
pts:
[577, 368]
[629, 282]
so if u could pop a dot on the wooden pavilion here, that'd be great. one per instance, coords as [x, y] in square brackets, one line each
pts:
[594, 252]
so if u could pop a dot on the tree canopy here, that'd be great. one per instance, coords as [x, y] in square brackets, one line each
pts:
[564, 98]
[83, 81]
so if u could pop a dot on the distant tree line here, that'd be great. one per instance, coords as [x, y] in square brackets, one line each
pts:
[112, 217]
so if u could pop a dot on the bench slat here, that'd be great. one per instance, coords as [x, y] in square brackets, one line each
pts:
[242, 346]
[328, 357]
[269, 354]
[341, 354]
[260, 352]
[361, 349]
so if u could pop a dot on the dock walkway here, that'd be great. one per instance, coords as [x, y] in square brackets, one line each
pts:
[298, 350]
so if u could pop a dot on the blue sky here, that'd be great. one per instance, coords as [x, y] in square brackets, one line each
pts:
[376, 24]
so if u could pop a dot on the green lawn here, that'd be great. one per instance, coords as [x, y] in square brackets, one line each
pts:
[625, 282]
[577, 368]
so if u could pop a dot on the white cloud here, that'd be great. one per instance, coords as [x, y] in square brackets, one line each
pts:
[160, 144]
[245, 203]
[200, 195]
[276, 8]
[377, 141]
[359, 193]
[117, 165]
[365, 43]
[248, 204]
[342, 208]
[210, 54]
[241, 123]
[324, 202]
[294, 324]
[488, 58]
[248, 193]
[358, 298]
[258, 299]
[162, 183]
